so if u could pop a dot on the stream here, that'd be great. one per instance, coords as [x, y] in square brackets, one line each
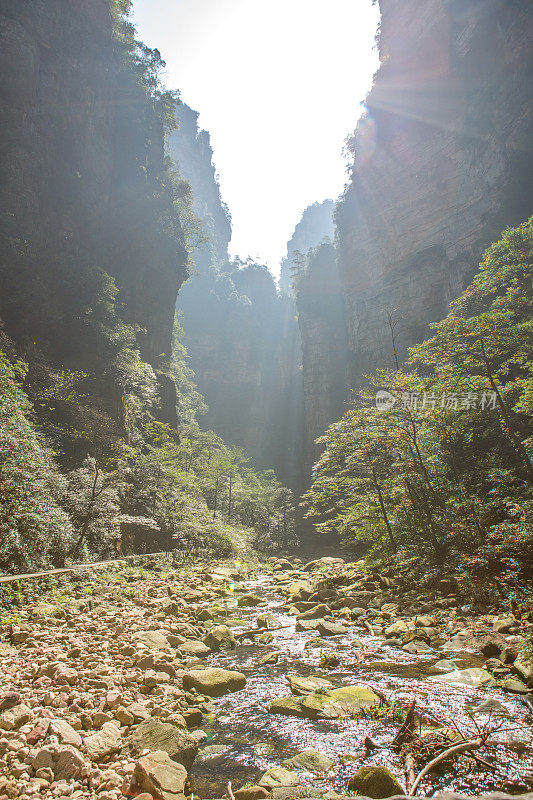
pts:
[243, 739]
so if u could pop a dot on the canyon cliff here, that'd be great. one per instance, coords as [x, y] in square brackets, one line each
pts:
[92, 250]
[440, 166]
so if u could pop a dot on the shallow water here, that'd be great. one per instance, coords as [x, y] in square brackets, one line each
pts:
[244, 740]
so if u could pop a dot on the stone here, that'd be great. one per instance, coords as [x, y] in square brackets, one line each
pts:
[473, 676]
[156, 735]
[524, 667]
[331, 628]
[512, 685]
[323, 563]
[159, 776]
[375, 782]
[249, 600]
[214, 681]
[154, 640]
[278, 776]
[307, 685]
[69, 764]
[220, 637]
[343, 702]
[269, 658]
[309, 761]
[252, 793]
[316, 612]
[106, 741]
[65, 732]
[398, 628]
[416, 646]
[493, 707]
[504, 625]
[194, 648]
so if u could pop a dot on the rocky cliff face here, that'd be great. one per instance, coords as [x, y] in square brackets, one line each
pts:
[83, 196]
[440, 167]
[315, 225]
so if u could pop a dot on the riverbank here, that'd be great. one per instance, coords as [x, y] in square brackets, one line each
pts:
[112, 686]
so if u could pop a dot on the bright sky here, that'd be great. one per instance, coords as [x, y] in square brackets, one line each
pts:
[278, 84]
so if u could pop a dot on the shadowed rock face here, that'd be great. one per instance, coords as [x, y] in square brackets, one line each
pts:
[441, 166]
[81, 158]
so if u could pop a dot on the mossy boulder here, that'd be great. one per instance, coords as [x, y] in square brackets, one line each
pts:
[309, 761]
[374, 782]
[344, 702]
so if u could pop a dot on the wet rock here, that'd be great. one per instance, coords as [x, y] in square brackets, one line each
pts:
[300, 590]
[159, 776]
[316, 612]
[106, 741]
[398, 628]
[375, 782]
[309, 761]
[249, 601]
[493, 707]
[473, 676]
[323, 563]
[331, 629]
[269, 658]
[214, 681]
[337, 703]
[220, 637]
[444, 665]
[524, 668]
[308, 624]
[512, 685]
[307, 685]
[504, 625]
[279, 776]
[416, 646]
[266, 638]
[252, 793]
[155, 735]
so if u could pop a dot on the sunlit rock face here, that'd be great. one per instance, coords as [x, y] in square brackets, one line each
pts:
[441, 166]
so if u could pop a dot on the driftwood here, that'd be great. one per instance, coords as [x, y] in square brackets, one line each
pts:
[456, 750]
[409, 769]
[229, 793]
[406, 731]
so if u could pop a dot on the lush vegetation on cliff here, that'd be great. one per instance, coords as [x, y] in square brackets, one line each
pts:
[441, 475]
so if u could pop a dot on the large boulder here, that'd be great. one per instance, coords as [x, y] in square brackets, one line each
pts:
[156, 735]
[279, 776]
[214, 681]
[159, 776]
[323, 563]
[309, 761]
[376, 782]
[220, 637]
[343, 702]
[473, 676]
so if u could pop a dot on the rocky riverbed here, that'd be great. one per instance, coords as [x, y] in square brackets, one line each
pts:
[285, 679]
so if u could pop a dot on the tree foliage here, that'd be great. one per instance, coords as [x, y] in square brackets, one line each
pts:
[444, 476]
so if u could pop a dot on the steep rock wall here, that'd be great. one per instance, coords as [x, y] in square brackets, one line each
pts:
[81, 158]
[441, 165]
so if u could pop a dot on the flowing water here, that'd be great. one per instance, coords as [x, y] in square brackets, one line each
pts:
[244, 740]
